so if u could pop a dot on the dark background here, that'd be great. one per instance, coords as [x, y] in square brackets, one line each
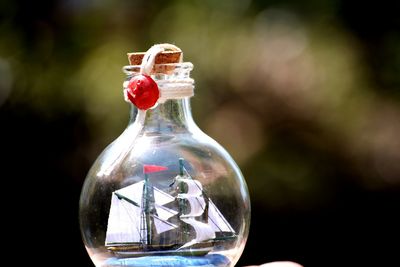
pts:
[309, 91]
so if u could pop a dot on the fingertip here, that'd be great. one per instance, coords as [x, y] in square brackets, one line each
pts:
[281, 264]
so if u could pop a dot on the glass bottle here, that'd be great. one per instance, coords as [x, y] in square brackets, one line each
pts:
[164, 193]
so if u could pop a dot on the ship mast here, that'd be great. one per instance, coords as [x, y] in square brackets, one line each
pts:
[146, 206]
[192, 194]
[182, 205]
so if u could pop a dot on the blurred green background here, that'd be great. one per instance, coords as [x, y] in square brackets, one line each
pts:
[309, 92]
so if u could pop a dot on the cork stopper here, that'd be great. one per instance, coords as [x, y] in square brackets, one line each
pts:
[166, 57]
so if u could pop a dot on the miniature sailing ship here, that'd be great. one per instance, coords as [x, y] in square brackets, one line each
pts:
[145, 220]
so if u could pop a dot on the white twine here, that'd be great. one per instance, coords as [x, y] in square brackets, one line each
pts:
[171, 88]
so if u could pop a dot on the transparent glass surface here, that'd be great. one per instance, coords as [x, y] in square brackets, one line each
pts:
[164, 193]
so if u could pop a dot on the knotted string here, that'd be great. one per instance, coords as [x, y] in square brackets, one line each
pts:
[172, 88]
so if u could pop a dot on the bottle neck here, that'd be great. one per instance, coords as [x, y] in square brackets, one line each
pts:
[172, 113]
[172, 116]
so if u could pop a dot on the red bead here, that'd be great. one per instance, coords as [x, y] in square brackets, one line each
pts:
[143, 91]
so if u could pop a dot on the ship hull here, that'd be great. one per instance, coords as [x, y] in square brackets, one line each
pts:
[139, 250]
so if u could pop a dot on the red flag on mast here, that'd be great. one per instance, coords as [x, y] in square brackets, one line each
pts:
[153, 168]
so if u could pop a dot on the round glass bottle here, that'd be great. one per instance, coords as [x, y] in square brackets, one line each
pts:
[164, 193]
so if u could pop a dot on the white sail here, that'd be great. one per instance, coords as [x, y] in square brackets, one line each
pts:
[216, 220]
[203, 231]
[194, 196]
[197, 205]
[162, 198]
[162, 225]
[133, 192]
[123, 222]
[194, 187]
[165, 213]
